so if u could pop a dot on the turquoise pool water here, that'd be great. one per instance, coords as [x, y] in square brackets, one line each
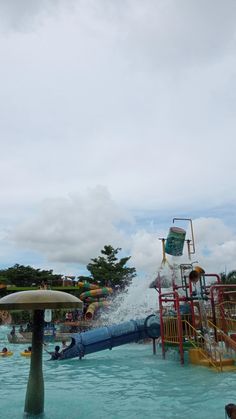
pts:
[127, 382]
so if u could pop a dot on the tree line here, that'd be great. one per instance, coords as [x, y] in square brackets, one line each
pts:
[106, 270]
[229, 278]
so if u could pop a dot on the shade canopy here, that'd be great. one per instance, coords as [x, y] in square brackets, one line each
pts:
[39, 300]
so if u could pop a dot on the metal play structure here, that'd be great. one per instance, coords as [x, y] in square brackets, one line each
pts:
[198, 315]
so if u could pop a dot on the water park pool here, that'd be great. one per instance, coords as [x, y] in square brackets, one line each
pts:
[127, 382]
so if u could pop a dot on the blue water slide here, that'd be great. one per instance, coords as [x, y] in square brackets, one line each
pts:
[111, 336]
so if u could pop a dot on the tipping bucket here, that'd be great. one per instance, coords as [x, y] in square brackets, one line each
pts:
[175, 241]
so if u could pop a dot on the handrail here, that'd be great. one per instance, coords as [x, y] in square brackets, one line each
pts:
[225, 337]
[216, 276]
[171, 336]
[226, 302]
[219, 287]
[207, 356]
[229, 322]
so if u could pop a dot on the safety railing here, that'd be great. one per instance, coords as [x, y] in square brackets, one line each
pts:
[206, 346]
[193, 337]
[171, 332]
[222, 337]
[174, 298]
[228, 322]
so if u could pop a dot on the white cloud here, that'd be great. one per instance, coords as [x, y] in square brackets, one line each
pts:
[69, 232]
[27, 15]
[146, 251]
[136, 96]
[215, 244]
[75, 229]
[211, 231]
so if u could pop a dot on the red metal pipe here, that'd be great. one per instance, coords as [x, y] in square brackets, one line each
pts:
[219, 287]
[216, 276]
[172, 300]
[162, 327]
[172, 293]
[192, 305]
[180, 329]
[181, 286]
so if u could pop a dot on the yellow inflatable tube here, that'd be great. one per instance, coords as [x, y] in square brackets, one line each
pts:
[8, 353]
[27, 353]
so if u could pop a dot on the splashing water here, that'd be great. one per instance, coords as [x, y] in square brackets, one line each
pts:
[138, 301]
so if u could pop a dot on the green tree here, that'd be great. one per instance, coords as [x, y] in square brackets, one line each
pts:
[109, 271]
[229, 278]
[26, 276]
[4, 280]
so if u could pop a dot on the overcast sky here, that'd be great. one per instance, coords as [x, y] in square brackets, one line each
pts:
[115, 117]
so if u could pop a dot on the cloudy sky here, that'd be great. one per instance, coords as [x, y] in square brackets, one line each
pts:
[115, 117]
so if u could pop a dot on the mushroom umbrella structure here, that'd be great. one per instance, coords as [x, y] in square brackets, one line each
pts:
[37, 301]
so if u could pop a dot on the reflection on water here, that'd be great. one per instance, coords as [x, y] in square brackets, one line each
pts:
[127, 382]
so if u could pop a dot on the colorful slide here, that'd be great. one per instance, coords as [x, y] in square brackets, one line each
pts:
[95, 296]
[93, 307]
[87, 285]
[111, 336]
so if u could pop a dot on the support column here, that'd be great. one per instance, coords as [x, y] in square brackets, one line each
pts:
[34, 400]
